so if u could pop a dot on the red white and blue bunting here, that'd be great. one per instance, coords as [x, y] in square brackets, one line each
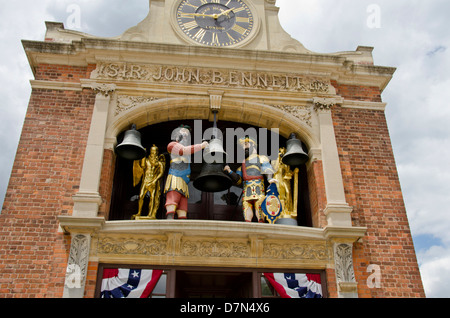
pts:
[290, 285]
[129, 283]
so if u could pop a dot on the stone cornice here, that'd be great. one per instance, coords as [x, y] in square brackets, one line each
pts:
[199, 228]
[92, 51]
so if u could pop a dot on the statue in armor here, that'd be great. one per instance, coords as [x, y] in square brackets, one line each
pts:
[251, 177]
[176, 189]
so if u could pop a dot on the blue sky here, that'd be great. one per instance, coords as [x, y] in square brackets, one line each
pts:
[411, 35]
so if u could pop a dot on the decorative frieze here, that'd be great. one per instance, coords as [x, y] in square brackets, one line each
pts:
[303, 113]
[232, 78]
[214, 248]
[301, 250]
[132, 246]
[204, 249]
[125, 103]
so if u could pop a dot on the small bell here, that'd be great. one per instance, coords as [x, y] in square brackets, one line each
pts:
[131, 147]
[295, 156]
[215, 153]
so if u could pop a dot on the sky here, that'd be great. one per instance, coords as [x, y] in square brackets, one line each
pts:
[411, 35]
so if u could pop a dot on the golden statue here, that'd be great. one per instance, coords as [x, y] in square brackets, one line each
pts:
[283, 174]
[151, 171]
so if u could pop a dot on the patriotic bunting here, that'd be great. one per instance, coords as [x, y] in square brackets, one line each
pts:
[296, 285]
[129, 283]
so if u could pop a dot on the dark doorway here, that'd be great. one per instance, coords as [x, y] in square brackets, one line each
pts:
[193, 284]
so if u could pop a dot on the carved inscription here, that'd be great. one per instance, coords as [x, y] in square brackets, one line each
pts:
[212, 77]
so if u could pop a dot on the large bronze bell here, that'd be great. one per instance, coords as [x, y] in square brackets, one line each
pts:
[212, 178]
[295, 155]
[131, 147]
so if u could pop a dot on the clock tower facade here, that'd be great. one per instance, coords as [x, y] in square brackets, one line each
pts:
[70, 222]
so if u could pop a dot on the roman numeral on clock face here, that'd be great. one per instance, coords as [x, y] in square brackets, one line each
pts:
[239, 29]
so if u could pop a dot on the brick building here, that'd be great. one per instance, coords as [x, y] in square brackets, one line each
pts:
[67, 215]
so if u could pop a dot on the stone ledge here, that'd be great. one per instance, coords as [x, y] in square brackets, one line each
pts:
[70, 224]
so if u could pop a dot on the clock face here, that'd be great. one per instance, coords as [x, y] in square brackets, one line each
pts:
[215, 22]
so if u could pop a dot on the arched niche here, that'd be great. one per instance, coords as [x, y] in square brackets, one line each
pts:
[156, 119]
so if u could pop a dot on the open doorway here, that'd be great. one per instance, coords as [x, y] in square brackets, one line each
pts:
[195, 284]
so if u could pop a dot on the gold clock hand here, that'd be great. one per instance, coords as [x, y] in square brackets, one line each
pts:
[216, 16]
[197, 15]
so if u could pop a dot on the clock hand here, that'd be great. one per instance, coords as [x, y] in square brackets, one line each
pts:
[216, 16]
[199, 15]
[226, 12]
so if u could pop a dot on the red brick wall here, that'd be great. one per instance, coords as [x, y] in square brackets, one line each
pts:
[45, 176]
[373, 189]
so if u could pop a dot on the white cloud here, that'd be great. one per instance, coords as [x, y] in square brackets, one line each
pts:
[435, 271]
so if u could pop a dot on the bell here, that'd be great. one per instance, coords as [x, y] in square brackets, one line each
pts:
[213, 179]
[214, 153]
[131, 147]
[294, 156]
